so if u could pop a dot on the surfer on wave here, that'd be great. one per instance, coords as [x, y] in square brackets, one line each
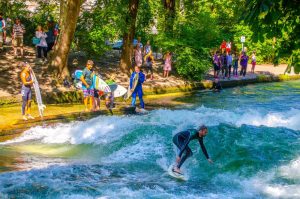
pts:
[182, 140]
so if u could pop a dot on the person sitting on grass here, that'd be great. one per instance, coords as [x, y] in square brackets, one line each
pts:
[87, 86]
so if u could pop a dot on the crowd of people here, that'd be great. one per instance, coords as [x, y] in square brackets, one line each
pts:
[44, 38]
[143, 57]
[226, 62]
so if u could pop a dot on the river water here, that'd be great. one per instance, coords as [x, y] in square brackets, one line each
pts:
[253, 139]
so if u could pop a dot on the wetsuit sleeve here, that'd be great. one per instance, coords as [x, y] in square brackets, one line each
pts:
[141, 78]
[131, 80]
[203, 148]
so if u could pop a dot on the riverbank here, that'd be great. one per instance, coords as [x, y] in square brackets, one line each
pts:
[11, 123]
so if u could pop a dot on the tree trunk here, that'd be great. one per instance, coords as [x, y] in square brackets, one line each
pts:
[128, 36]
[170, 15]
[69, 12]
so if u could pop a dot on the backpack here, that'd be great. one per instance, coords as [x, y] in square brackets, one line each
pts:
[76, 76]
[1, 26]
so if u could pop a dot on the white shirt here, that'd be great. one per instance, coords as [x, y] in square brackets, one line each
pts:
[41, 35]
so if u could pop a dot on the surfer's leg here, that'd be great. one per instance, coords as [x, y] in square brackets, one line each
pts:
[187, 153]
[140, 93]
[133, 98]
[24, 100]
[29, 97]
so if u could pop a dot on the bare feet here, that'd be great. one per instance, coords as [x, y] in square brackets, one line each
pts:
[176, 170]
[30, 117]
[24, 118]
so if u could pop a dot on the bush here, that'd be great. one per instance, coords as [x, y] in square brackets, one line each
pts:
[192, 64]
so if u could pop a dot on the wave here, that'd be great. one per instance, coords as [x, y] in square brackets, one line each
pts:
[104, 129]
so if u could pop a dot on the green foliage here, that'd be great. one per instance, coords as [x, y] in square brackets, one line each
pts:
[191, 64]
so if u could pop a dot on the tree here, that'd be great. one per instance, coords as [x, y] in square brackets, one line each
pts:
[277, 19]
[128, 36]
[69, 12]
[170, 15]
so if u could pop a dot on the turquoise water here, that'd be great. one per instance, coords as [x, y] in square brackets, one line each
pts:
[253, 139]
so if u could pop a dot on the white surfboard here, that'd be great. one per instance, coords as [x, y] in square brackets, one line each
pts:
[141, 111]
[38, 96]
[134, 84]
[176, 175]
[117, 90]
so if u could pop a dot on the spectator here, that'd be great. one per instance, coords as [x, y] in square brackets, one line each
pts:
[216, 64]
[2, 31]
[244, 62]
[138, 57]
[168, 64]
[147, 50]
[228, 47]
[50, 35]
[42, 46]
[235, 62]
[253, 61]
[149, 65]
[17, 36]
[229, 64]
[223, 46]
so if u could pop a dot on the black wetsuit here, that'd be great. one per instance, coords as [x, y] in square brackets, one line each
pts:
[182, 140]
[217, 86]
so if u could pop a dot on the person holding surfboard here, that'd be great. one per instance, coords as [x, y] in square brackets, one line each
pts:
[26, 91]
[87, 85]
[182, 140]
[137, 90]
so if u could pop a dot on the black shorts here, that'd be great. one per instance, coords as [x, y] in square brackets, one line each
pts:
[216, 67]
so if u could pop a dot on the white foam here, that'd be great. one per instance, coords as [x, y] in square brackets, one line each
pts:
[105, 129]
[267, 182]
[141, 150]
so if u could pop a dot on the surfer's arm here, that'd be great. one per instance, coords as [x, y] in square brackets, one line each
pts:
[203, 148]
[84, 82]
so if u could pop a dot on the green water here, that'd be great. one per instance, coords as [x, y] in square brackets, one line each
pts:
[253, 139]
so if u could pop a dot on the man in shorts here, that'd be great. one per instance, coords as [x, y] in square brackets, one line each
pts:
[87, 86]
[17, 36]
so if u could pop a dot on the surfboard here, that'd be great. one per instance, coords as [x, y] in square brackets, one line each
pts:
[117, 90]
[100, 85]
[141, 111]
[38, 96]
[176, 175]
[134, 84]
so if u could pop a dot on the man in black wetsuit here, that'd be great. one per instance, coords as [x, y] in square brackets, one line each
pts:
[182, 140]
[217, 87]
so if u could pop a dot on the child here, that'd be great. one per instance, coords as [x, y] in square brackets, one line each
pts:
[168, 62]
[149, 65]
[138, 89]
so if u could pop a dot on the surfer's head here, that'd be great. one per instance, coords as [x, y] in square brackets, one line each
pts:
[89, 64]
[137, 69]
[202, 131]
[24, 65]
